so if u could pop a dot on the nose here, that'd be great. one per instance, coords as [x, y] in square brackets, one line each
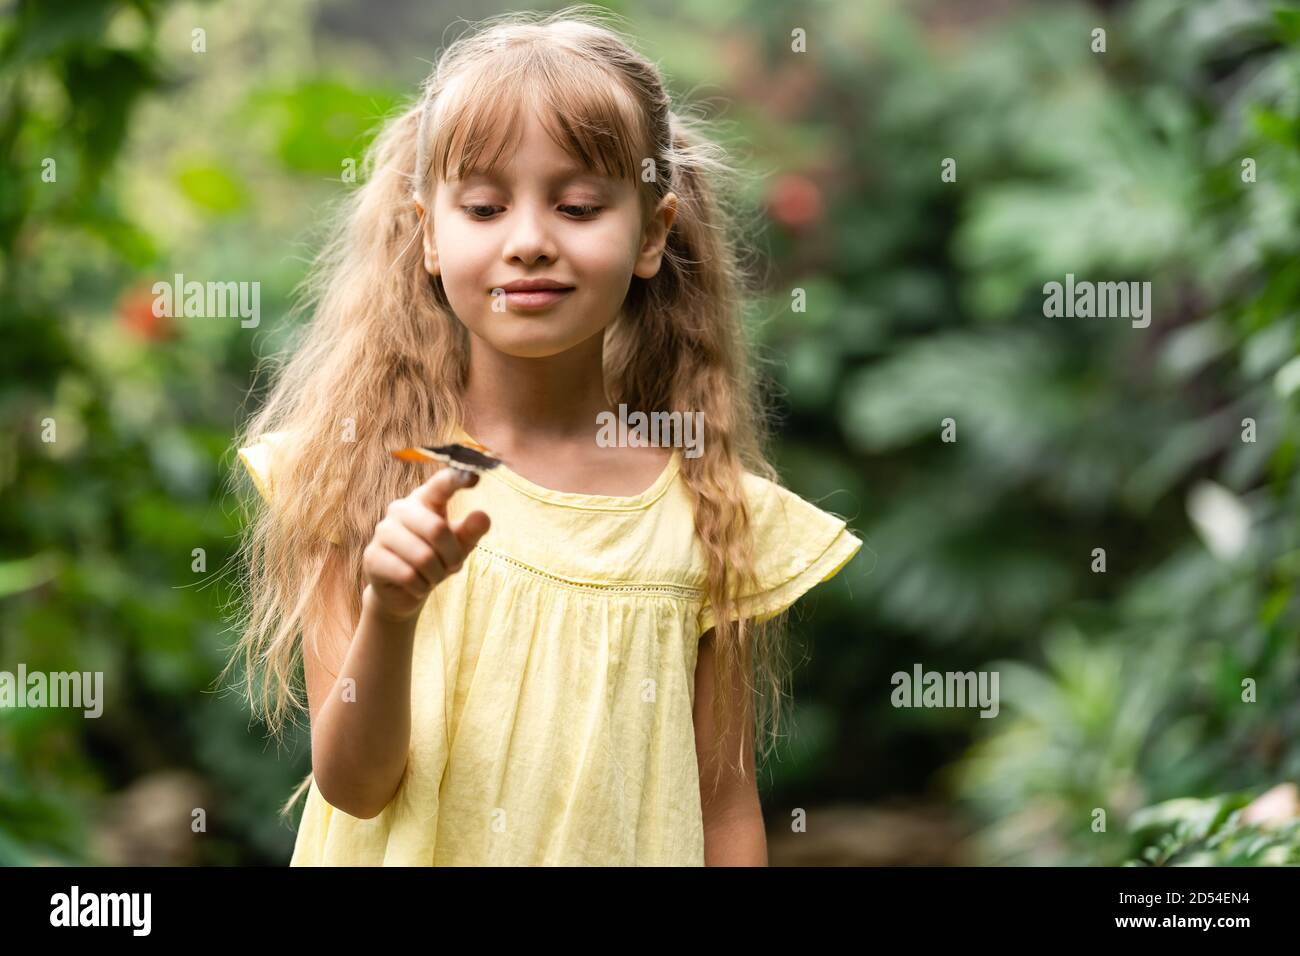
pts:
[529, 239]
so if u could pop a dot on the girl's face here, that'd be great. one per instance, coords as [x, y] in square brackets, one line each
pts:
[543, 217]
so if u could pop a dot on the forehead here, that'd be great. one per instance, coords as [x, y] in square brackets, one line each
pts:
[535, 155]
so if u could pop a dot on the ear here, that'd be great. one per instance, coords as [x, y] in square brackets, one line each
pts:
[650, 255]
[426, 237]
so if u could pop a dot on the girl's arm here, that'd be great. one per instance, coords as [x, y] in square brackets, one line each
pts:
[733, 817]
[360, 728]
[359, 681]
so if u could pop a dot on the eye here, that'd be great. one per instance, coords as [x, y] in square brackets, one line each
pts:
[582, 212]
[473, 211]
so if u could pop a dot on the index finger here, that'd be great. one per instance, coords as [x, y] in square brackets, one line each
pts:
[437, 491]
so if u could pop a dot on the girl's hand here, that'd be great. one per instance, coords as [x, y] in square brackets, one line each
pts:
[415, 546]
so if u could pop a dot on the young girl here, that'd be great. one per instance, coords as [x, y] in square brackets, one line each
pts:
[549, 663]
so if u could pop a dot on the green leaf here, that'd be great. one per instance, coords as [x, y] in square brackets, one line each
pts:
[1288, 23]
[211, 186]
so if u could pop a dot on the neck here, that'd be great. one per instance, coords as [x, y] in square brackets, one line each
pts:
[513, 402]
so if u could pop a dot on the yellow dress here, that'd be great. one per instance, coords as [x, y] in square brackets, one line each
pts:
[553, 677]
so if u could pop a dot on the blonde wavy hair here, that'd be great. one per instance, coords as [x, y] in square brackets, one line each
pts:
[384, 349]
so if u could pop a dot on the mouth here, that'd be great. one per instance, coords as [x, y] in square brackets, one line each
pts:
[535, 298]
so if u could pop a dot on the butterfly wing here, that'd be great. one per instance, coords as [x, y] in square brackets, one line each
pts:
[477, 459]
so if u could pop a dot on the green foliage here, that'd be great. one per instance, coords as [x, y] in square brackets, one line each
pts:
[102, 524]
[1188, 832]
[321, 122]
[1081, 434]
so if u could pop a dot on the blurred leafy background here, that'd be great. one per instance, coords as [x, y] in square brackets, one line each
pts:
[1122, 690]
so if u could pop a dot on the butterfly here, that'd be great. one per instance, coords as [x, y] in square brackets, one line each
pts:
[473, 458]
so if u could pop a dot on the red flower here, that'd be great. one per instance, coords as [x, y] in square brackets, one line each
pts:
[795, 201]
[135, 310]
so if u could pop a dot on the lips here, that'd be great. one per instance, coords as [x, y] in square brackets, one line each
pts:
[535, 285]
[534, 293]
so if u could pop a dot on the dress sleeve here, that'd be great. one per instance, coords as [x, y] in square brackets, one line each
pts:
[796, 547]
[259, 459]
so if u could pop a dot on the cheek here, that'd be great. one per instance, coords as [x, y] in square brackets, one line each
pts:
[606, 255]
[460, 253]
[465, 266]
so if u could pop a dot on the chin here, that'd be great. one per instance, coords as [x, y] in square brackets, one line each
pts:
[535, 336]
[532, 346]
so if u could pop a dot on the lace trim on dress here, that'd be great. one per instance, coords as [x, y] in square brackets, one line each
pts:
[678, 591]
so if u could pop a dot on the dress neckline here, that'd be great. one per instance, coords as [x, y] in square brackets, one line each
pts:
[573, 499]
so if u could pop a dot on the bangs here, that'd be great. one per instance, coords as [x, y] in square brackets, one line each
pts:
[583, 108]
